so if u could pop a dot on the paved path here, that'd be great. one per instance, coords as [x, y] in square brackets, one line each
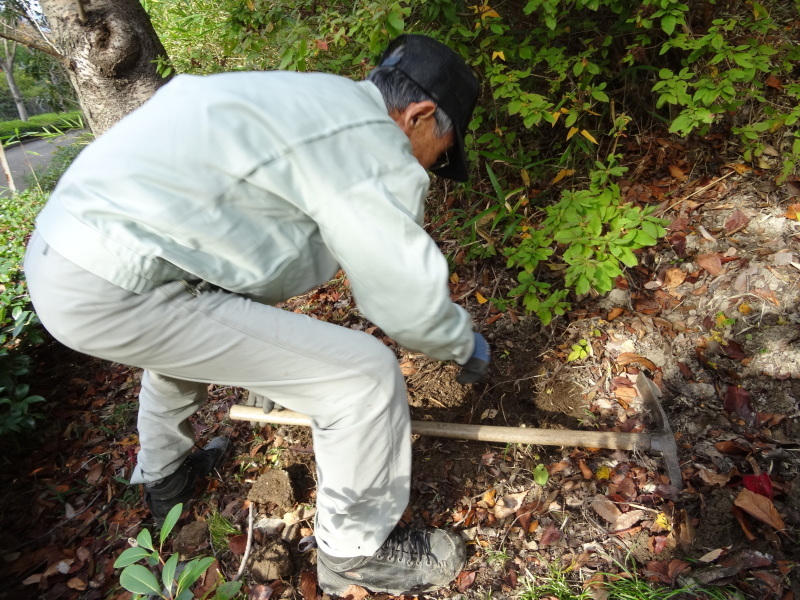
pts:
[32, 156]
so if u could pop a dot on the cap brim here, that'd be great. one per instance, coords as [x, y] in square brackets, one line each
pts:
[456, 168]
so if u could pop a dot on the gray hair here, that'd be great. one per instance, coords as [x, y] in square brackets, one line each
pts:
[398, 91]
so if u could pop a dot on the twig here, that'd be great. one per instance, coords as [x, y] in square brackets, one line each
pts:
[81, 12]
[249, 543]
[699, 190]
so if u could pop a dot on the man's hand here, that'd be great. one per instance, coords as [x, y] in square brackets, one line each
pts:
[477, 365]
[265, 403]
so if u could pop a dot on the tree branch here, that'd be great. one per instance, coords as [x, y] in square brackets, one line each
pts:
[31, 42]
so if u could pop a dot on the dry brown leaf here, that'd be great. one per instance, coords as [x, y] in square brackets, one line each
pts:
[711, 478]
[606, 508]
[711, 263]
[627, 358]
[674, 277]
[260, 592]
[738, 220]
[710, 557]
[465, 580]
[550, 535]
[354, 592]
[509, 504]
[614, 313]
[627, 520]
[76, 584]
[585, 470]
[308, 585]
[793, 212]
[488, 497]
[677, 172]
[407, 368]
[760, 507]
[774, 82]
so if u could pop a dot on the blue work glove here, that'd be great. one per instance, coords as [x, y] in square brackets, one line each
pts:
[265, 403]
[477, 365]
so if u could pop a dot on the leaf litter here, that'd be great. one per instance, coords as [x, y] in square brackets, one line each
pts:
[710, 315]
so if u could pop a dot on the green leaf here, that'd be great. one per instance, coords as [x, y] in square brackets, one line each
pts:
[193, 571]
[540, 475]
[169, 522]
[668, 23]
[168, 574]
[145, 540]
[130, 556]
[139, 580]
[228, 590]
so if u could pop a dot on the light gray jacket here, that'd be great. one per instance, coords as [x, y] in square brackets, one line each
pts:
[264, 184]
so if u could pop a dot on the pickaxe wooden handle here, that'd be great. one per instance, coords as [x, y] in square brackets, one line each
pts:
[662, 441]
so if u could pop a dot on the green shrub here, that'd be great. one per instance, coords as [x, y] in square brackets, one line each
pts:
[562, 82]
[19, 326]
[49, 123]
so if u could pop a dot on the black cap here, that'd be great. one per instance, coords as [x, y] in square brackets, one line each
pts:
[444, 76]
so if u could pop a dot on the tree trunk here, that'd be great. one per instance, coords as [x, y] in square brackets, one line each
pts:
[8, 68]
[110, 49]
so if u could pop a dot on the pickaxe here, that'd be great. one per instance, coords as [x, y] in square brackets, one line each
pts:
[662, 440]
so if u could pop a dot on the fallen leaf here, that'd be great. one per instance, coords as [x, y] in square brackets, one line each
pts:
[793, 212]
[508, 505]
[709, 477]
[760, 507]
[614, 313]
[710, 263]
[408, 368]
[259, 592]
[627, 358]
[710, 557]
[674, 277]
[774, 82]
[480, 298]
[488, 497]
[606, 508]
[76, 584]
[562, 174]
[32, 579]
[738, 167]
[308, 585]
[685, 370]
[627, 520]
[733, 350]
[585, 470]
[759, 484]
[550, 535]
[238, 543]
[732, 447]
[738, 220]
[465, 580]
[657, 544]
[677, 172]
[737, 400]
[354, 592]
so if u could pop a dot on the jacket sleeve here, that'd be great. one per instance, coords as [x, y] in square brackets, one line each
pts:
[397, 273]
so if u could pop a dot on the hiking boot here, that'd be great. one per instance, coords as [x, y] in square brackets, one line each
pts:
[177, 488]
[409, 562]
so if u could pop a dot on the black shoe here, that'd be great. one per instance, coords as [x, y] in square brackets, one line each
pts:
[179, 487]
[409, 562]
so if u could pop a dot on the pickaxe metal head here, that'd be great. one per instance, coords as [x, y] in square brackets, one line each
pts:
[662, 440]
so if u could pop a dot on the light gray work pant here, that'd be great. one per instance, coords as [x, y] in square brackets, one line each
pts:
[348, 382]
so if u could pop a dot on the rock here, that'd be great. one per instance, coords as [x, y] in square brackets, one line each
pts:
[191, 538]
[273, 487]
[270, 563]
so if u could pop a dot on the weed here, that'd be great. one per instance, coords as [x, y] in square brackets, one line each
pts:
[219, 528]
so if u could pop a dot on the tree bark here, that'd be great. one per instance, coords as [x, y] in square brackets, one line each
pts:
[110, 49]
[8, 69]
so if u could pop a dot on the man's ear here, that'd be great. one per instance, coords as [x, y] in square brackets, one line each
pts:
[414, 115]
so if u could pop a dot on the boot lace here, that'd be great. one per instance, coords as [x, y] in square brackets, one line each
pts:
[407, 545]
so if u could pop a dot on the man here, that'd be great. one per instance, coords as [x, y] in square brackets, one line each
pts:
[169, 239]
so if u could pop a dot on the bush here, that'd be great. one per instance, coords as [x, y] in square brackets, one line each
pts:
[19, 326]
[49, 123]
[563, 81]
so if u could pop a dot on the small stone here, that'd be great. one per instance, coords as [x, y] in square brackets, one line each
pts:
[270, 563]
[273, 487]
[191, 538]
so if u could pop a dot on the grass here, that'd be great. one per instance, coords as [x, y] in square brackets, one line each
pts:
[219, 528]
[626, 585]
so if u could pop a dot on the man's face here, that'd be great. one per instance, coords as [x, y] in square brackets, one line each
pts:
[418, 123]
